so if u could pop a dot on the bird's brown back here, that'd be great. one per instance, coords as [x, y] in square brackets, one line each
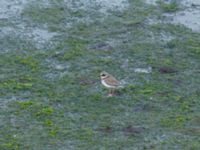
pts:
[111, 80]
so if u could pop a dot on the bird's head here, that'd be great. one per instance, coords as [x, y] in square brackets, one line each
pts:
[104, 74]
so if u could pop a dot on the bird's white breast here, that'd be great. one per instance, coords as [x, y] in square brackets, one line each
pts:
[107, 85]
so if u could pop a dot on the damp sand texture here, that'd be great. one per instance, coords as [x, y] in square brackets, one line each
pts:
[51, 55]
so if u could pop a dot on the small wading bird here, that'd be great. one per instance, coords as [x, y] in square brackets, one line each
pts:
[109, 82]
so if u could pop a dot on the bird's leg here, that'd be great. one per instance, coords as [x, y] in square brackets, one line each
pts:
[110, 93]
[113, 91]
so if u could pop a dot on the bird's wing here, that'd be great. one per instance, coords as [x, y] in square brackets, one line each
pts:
[113, 81]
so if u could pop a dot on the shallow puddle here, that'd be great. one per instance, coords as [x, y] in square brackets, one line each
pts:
[189, 18]
[189, 14]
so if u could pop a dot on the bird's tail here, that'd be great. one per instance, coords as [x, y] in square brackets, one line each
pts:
[122, 84]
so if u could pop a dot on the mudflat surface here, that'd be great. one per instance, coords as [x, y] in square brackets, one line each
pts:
[51, 56]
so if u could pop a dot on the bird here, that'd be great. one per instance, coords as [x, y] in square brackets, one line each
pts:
[109, 82]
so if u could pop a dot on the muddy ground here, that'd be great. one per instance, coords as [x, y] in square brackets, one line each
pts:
[51, 55]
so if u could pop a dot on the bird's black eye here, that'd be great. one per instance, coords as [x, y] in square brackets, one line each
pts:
[103, 75]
